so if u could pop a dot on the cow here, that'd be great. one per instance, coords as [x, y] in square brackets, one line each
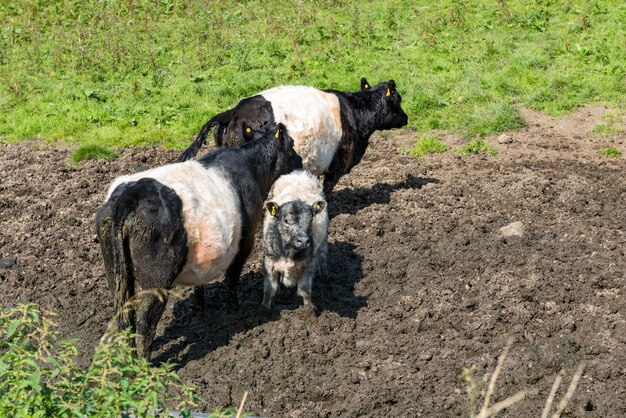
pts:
[331, 129]
[295, 233]
[186, 224]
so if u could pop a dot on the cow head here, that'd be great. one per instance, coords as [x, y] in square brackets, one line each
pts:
[294, 222]
[386, 102]
[277, 138]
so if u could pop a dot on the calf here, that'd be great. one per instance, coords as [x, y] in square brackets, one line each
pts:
[331, 129]
[295, 233]
[186, 224]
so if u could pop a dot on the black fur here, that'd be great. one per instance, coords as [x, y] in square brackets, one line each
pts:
[143, 241]
[252, 112]
[363, 113]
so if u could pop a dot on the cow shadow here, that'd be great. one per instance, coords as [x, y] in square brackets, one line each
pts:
[352, 200]
[194, 332]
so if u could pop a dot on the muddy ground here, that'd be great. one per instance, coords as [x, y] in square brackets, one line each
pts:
[423, 282]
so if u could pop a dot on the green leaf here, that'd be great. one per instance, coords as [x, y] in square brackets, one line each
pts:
[13, 327]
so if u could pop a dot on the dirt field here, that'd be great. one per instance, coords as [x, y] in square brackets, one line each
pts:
[423, 282]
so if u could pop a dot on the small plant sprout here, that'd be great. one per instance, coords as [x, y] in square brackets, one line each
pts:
[427, 145]
[611, 152]
[605, 129]
[477, 146]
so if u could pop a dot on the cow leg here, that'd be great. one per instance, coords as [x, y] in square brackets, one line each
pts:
[321, 259]
[270, 284]
[322, 266]
[234, 270]
[305, 285]
[198, 297]
[330, 180]
[150, 310]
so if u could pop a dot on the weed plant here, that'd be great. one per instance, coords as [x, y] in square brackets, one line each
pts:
[477, 146]
[40, 377]
[428, 145]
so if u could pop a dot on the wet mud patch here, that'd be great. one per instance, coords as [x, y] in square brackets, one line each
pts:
[423, 280]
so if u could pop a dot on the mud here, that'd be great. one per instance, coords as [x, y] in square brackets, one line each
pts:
[423, 281]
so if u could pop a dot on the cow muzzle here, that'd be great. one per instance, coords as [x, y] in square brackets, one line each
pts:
[301, 243]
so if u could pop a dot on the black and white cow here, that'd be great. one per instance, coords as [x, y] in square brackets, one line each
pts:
[295, 235]
[186, 224]
[330, 128]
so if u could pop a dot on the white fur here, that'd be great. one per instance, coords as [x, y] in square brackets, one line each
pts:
[313, 120]
[211, 217]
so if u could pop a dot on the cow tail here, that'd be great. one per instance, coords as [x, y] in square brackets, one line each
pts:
[122, 270]
[220, 120]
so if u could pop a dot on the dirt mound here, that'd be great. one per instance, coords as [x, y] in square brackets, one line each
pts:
[424, 281]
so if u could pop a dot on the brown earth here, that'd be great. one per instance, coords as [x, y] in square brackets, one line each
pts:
[423, 282]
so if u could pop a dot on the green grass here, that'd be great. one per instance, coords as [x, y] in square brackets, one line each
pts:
[477, 146]
[91, 152]
[137, 72]
[609, 128]
[428, 145]
[611, 152]
[605, 129]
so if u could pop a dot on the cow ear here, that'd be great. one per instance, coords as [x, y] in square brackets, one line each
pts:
[280, 129]
[391, 87]
[272, 208]
[318, 206]
[364, 84]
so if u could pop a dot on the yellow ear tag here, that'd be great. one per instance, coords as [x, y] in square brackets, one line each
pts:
[277, 133]
[318, 208]
[367, 86]
[248, 130]
[388, 93]
[273, 211]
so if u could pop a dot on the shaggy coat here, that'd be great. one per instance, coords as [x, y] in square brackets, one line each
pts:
[295, 234]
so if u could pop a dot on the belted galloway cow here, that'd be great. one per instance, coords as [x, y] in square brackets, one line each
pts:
[330, 128]
[186, 224]
[295, 233]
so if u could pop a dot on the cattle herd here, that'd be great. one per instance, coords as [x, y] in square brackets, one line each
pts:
[192, 221]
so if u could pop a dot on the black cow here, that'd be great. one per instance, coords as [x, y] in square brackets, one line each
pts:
[331, 129]
[186, 224]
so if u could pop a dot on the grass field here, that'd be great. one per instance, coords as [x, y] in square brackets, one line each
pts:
[116, 73]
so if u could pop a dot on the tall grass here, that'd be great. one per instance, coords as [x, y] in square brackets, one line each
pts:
[126, 72]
